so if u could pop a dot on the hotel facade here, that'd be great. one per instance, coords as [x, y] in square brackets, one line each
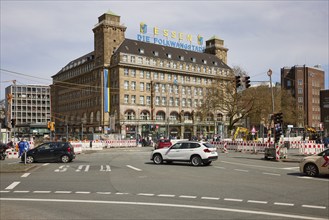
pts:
[144, 87]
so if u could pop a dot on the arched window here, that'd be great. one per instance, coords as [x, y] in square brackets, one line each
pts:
[160, 116]
[130, 115]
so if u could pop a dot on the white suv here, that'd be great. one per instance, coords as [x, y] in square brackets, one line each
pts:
[316, 164]
[186, 151]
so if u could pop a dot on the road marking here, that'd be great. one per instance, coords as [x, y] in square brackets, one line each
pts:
[223, 168]
[241, 170]
[63, 192]
[166, 195]
[187, 197]
[250, 165]
[258, 202]
[82, 192]
[104, 193]
[81, 166]
[272, 174]
[21, 191]
[145, 194]
[314, 206]
[284, 204]
[62, 168]
[41, 191]
[291, 168]
[212, 208]
[210, 198]
[45, 164]
[120, 193]
[108, 168]
[4, 191]
[313, 178]
[13, 185]
[134, 168]
[233, 200]
[25, 174]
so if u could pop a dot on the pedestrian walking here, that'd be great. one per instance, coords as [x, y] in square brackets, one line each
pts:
[23, 146]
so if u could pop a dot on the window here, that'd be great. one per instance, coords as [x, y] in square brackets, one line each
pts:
[126, 99]
[183, 90]
[140, 60]
[163, 88]
[133, 99]
[300, 82]
[148, 100]
[141, 51]
[141, 74]
[133, 73]
[288, 83]
[193, 60]
[161, 76]
[156, 87]
[300, 99]
[148, 75]
[169, 77]
[177, 102]
[124, 58]
[161, 63]
[184, 102]
[126, 85]
[133, 85]
[163, 101]
[148, 86]
[126, 71]
[141, 100]
[176, 89]
[300, 90]
[156, 53]
[132, 59]
[157, 100]
[155, 75]
[181, 58]
[171, 101]
[168, 55]
[141, 86]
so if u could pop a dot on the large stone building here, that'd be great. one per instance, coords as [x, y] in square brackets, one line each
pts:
[134, 87]
[305, 83]
[324, 105]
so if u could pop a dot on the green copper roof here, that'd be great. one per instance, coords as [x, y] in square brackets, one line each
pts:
[111, 13]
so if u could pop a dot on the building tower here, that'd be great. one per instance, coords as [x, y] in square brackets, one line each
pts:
[108, 35]
[216, 46]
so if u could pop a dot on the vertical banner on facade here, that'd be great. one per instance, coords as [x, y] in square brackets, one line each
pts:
[106, 91]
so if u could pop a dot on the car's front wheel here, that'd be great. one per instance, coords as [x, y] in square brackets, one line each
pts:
[157, 159]
[196, 160]
[65, 159]
[29, 159]
[311, 169]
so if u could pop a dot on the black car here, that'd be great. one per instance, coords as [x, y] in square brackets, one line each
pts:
[50, 152]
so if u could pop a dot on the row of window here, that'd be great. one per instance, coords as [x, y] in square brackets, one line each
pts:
[176, 65]
[29, 89]
[166, 76]
[162, 101]
[31, 102]
[32, 121]
[77, 105]
[74, 72]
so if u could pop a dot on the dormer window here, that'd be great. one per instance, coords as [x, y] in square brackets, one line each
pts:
[193, 60]
[141, 51]
[156, 53]
[181, 58]
[204, 61]
[168, 55]
[215, 63]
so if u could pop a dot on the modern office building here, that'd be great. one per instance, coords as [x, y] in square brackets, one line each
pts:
[304, 83]
[149, 86]
[28, 109]
[324, 105]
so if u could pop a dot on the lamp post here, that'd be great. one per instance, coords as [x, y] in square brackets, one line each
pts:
[269, 73]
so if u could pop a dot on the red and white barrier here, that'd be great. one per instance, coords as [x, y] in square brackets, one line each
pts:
[11, 154]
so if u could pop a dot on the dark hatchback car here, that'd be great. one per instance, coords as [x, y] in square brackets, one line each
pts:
[50, 152]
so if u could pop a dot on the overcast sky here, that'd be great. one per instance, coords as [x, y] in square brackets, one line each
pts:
[38, 38]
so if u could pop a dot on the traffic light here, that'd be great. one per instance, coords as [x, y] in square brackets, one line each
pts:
[278, 118]
[247, 81]
[237, 81]
[49, 124]
[52, 126]
[277, 133]
[13, 122]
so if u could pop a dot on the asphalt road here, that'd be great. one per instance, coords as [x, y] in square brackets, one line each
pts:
[125, 184]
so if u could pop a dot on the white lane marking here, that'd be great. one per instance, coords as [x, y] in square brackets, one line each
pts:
[283, 204]
[45, 164]
[13, 185]
[223, 168]
[233, 200]
[210, 198]
[168, 205]
[4, 191]
[134, 168]
[41, 191]
[82, 192]
[62, 168]
[314, 206]
[63, 192]
[120, 193]
[145, 194]
[166, 195]
[104, 193]
[187, 197]
[107, 169]
[312, 178]
[25, 174]
[258, 202]
[81, 166]
[21, 191]
[241, 170]
[250, 165]
[272, 174]
[291, 168]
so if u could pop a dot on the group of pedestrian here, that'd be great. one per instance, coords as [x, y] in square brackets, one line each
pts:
[21, 146]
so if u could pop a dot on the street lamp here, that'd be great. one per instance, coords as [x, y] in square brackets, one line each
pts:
[269, 73]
